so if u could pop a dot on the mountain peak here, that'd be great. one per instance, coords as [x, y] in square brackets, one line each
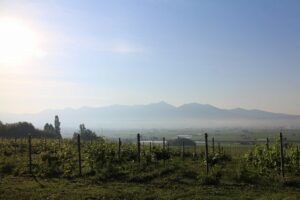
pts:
[197, 105]
[161, 104]
[157, 115]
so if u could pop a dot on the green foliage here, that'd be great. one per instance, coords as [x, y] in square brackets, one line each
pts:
[218, 158]
[8, 167]
[245, 174]
[111, 172]
[267, 160]
[212, 178]
[101, 162]
[57, 126]
[49, 128]
[22, 130]
[53, 130]
[161, 154]
[86, 134]
[51, 164]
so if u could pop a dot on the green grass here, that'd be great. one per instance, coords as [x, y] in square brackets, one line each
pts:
[30, 188]
[176, 180]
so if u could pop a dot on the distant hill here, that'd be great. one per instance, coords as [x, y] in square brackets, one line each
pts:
[157, 115]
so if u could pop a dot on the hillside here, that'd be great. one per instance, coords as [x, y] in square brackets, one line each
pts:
[158, 115]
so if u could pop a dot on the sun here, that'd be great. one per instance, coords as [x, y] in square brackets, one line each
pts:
[18, 42]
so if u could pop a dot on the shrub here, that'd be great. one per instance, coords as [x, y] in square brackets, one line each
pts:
[244, 175]
[212, 178]
[8, 168]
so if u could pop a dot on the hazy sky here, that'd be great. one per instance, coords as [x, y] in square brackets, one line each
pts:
[92, 53]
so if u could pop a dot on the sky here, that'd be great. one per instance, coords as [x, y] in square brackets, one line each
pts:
[69, 53]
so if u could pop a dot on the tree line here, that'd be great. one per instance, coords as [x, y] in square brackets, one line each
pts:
[23, 129]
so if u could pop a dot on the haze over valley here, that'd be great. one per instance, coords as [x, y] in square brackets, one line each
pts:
[159, 115]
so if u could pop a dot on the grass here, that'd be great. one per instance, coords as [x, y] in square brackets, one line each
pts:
[177, 180]
[80, 188]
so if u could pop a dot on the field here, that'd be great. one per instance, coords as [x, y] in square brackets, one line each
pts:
[58, 169]
[83, 188]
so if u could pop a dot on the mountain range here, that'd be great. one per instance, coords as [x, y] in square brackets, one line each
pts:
[157, 115]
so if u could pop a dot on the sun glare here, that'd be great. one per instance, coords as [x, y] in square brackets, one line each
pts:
[18, 43]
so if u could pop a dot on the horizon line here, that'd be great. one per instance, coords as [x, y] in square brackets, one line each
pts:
[146, 104]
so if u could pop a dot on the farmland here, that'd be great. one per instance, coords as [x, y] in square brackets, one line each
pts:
[110, 169]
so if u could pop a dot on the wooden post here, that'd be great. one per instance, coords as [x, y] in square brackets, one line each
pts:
[285, 143]
[30, 154]
[143, 152]
[182, 150]
[102, 158]
[281, 156]
[164, 149]
[139, 148]
[62, 144]
[43, 141]
[206, 153]
[119, 149]
[213, 145]
[267, 144]
[297, 157]
[16, 145]
[79, 154]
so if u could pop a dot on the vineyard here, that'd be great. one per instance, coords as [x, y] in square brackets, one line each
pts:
[104, 161]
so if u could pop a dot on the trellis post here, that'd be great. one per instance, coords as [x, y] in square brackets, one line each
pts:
[281, 156]
[139, 148]
[182, 150]
[119, 149]
[79, 154]
[30, 154]
[206, 153]
[213, 145]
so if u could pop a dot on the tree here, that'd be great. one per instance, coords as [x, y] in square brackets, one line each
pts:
[82, 129]
[2, 126]
[85, 134]
[22, 129]
[49, 128]
[53, 131]
[57, 126]
[179, 141]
